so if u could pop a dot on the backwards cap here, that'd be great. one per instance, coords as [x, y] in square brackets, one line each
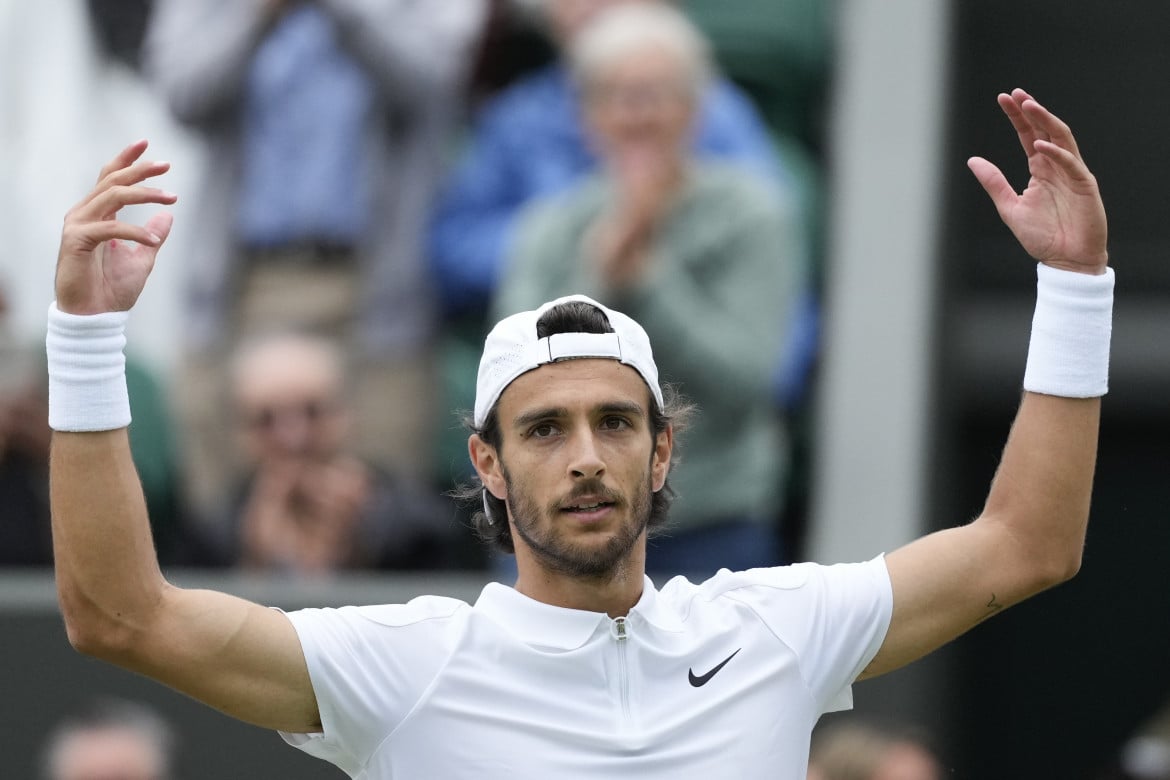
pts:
[513, 348]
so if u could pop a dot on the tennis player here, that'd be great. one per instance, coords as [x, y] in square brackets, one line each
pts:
[582, 669]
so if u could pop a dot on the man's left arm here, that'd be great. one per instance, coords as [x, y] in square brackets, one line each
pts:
[1031, 531]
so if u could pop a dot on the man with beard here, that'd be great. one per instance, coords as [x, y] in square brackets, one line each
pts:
[583, 669]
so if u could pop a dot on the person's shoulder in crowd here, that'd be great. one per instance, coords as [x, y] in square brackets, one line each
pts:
[544, 97]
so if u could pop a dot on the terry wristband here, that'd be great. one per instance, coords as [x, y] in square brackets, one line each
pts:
[1069, 351]
[87, 371]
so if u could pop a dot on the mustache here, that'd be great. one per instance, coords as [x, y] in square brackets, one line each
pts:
[591, 487]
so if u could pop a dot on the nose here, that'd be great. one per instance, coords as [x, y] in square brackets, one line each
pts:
[585, 460]
[634, 113]
[291, 433]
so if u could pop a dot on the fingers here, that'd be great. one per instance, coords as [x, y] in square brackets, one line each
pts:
[994, 183]
[88, 235]
[1052, 127]
[1068, 163]
[106, 203]
[1015, 114]
[124, 158]
[133, 174]
[118, 187]
[159, 225]
[127, 177]
[126, 170]
[1033, 122]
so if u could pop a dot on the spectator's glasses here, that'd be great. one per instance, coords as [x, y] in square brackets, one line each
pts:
[311, 412]
[636, 97]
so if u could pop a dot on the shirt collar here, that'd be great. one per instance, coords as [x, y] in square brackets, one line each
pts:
[544, 625]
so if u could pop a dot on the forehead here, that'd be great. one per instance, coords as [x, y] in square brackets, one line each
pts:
[112, 752]
[653, 62]
[575, 385]
[287, 371]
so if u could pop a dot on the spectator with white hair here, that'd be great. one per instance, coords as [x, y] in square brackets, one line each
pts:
[530, 142]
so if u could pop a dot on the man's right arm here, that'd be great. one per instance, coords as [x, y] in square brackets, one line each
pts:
[238, 657]
[235, 656]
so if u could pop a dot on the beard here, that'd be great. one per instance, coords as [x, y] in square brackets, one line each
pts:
[565, 556]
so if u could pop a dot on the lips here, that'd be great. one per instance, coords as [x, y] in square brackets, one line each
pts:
[587, 507]
[589, 501]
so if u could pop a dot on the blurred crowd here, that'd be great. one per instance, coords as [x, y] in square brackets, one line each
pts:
[377, 183]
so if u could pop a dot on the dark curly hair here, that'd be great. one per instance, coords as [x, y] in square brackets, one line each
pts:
[490, 519]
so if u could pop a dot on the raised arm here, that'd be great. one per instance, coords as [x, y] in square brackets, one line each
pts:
[1031, 531]
[238, 657]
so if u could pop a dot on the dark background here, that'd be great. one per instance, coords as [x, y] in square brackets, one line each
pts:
[1051, 688]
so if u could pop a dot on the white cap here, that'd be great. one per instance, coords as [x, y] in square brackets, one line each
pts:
[512, 348]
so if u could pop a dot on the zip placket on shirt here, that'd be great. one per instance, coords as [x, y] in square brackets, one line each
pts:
[619, 630]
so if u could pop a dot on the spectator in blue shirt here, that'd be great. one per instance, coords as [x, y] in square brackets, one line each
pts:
[325, 125]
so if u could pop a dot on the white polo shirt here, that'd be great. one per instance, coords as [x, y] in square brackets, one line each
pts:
[722, 679]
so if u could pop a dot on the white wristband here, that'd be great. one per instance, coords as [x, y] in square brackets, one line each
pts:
[87, 371]
[1069, 351]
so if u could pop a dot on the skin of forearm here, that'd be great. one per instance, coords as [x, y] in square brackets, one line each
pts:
[108, 577]
[1041, 492]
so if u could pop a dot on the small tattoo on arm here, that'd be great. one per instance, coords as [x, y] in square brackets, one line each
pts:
[993, 607]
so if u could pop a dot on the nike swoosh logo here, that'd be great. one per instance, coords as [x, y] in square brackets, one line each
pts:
[700, 680]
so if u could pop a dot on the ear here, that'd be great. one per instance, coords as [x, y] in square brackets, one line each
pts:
[660, 461]
[487, 465]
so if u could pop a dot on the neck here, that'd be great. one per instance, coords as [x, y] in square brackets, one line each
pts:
[613, 593]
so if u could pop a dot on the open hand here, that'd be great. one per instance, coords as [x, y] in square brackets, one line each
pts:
[1058, 218]
[103, 263]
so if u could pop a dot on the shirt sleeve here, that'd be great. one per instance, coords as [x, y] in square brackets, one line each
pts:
[369, 666]
[834, 618]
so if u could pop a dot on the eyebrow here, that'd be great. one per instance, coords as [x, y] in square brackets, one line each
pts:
[536, 415]
[556, 412]
[623, 407]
